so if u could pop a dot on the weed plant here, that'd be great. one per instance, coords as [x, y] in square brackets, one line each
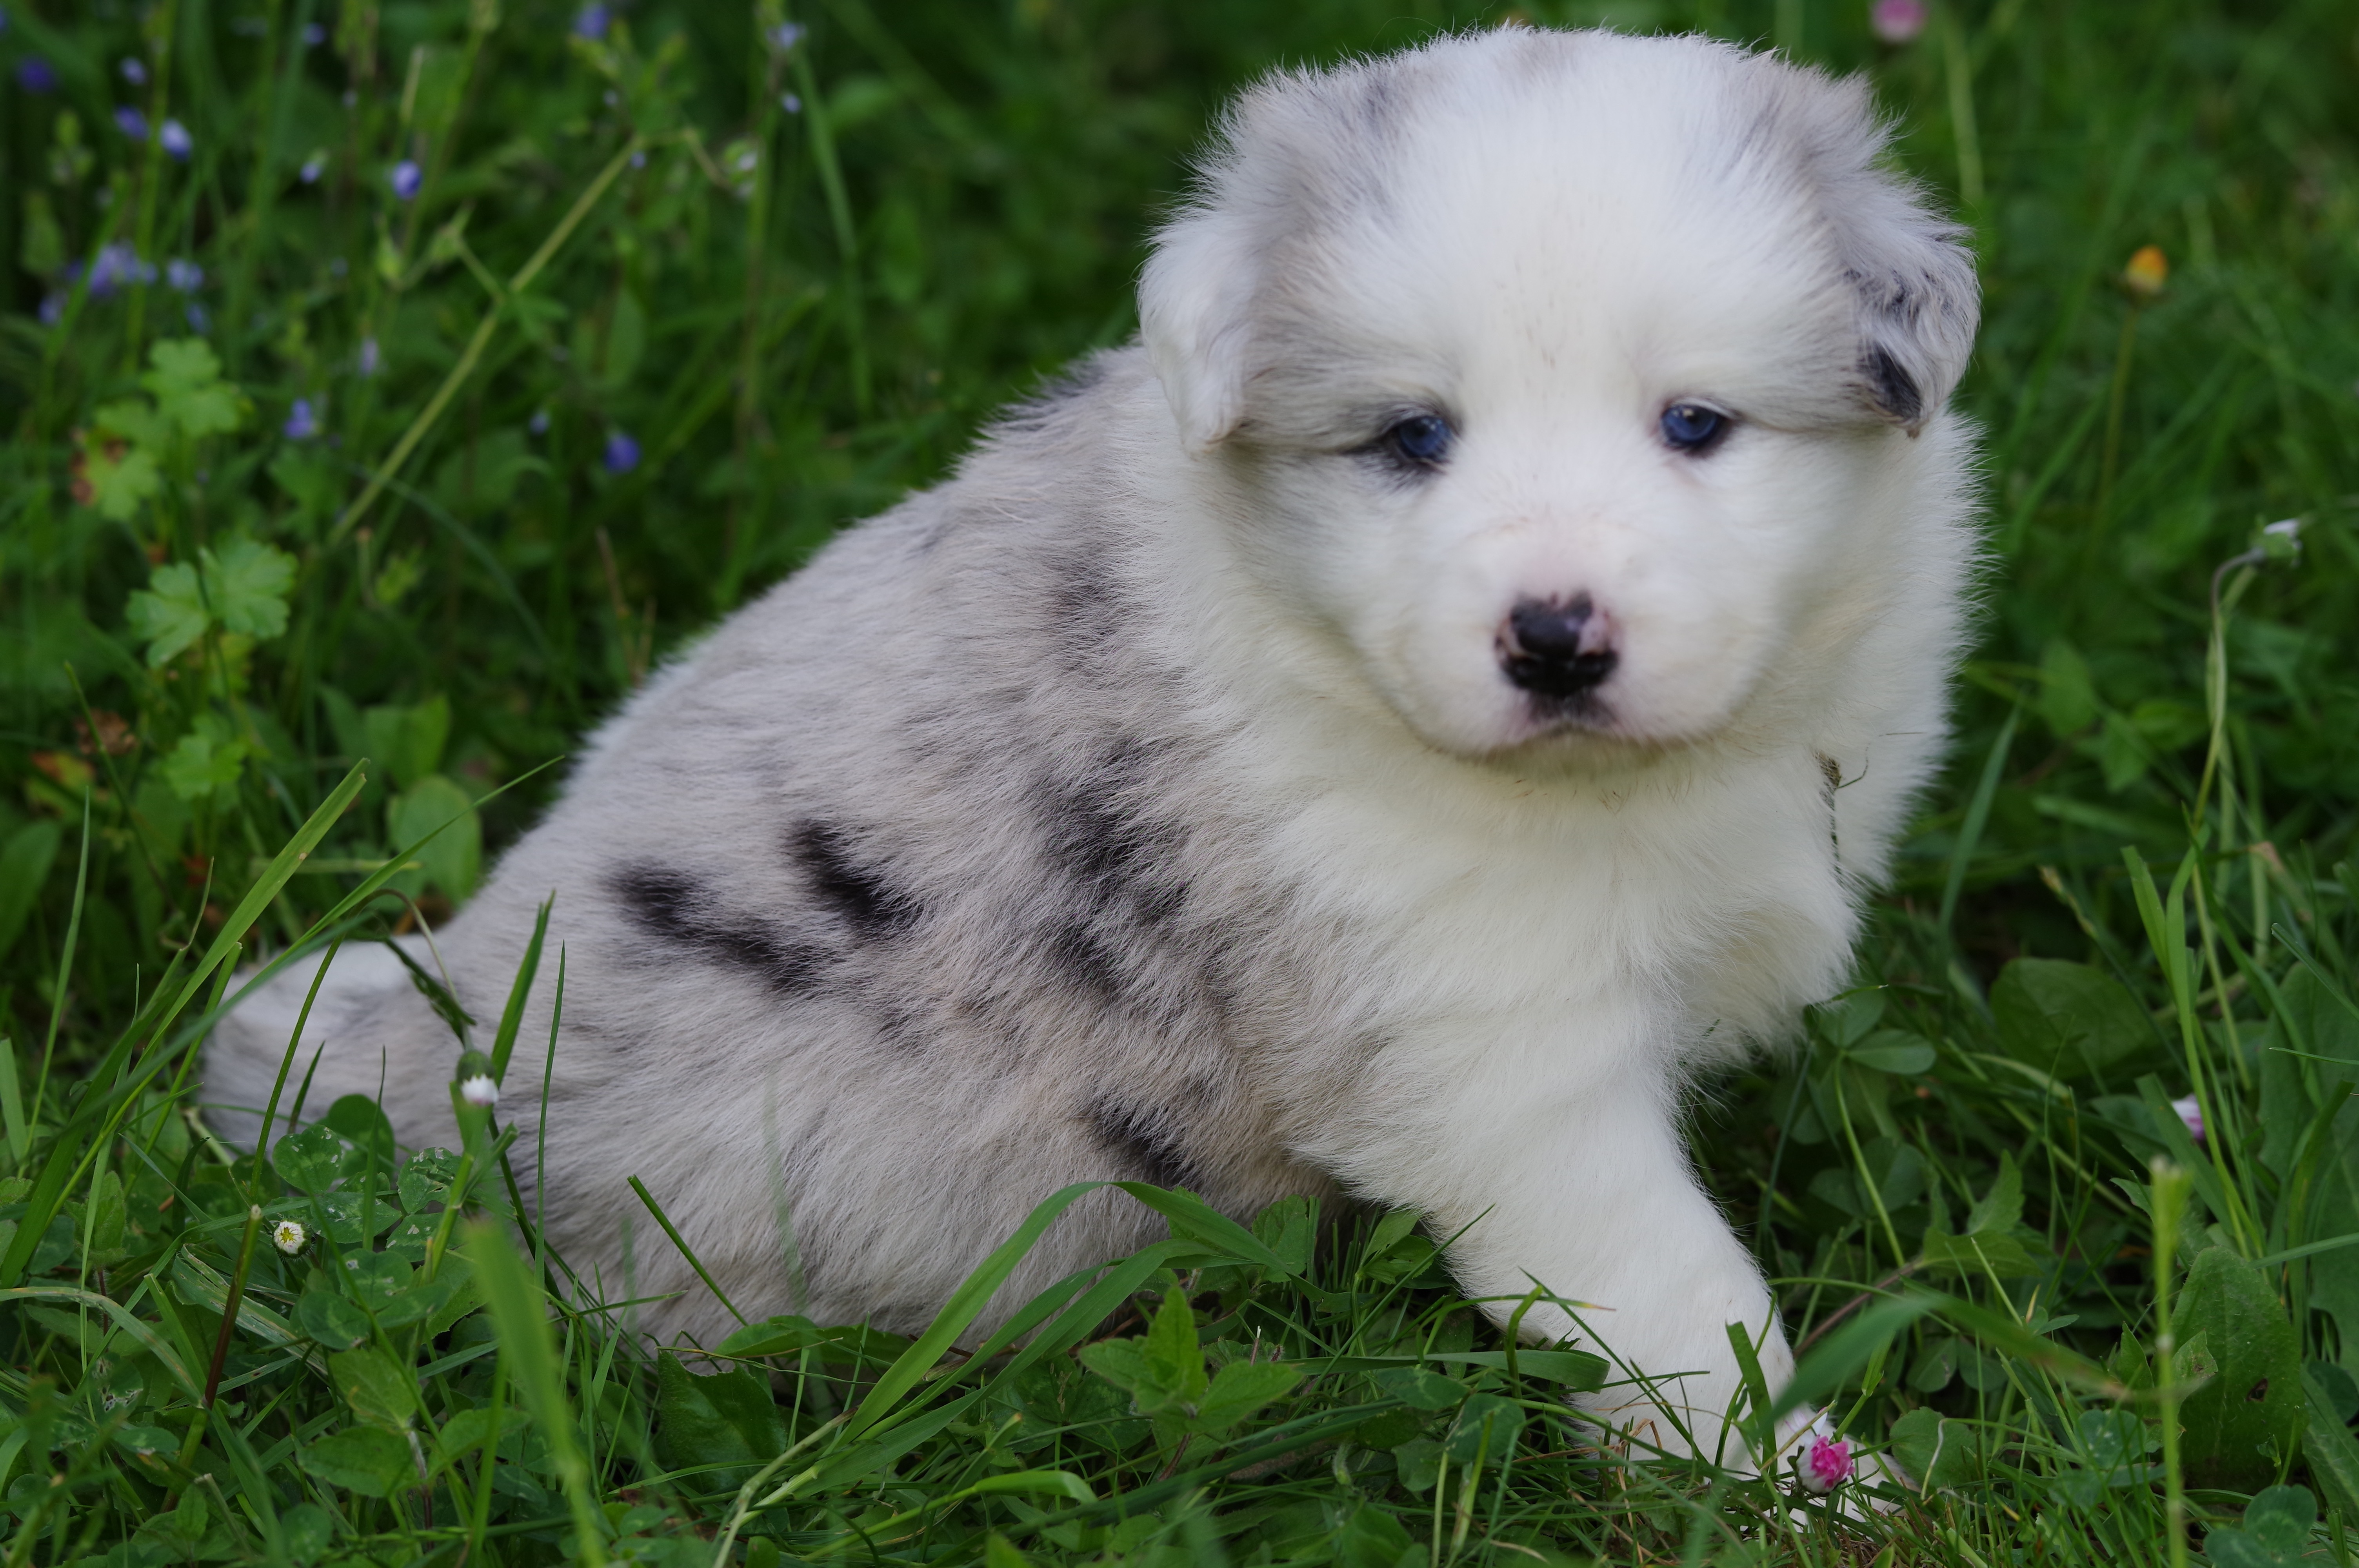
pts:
[391, 385]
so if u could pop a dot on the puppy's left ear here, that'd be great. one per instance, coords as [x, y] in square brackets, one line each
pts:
[1194, 302]
[1919, 303]
[1915, 299]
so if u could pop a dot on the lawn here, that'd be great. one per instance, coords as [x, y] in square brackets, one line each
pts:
[401, 380]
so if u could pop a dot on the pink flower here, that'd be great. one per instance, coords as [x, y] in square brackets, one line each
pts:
[2190, 1111]
[1828, 1464]
[1897, 21]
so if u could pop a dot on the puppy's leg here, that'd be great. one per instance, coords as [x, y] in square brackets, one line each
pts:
[1589, 1193]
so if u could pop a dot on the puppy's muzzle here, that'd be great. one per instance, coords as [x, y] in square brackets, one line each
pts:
[1557, 647]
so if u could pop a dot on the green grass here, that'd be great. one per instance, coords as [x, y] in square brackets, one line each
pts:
[2134, 886]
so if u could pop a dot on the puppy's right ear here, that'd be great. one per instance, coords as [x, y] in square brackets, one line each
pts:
[1194, 303]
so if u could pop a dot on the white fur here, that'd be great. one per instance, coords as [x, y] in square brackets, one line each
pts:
[1203, 836]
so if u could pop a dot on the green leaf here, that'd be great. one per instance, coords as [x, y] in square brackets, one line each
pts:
[2249, 1416]
[1416, 1387]
[25, 864]
[382, 1394]
[452, 860]
[312, 1160]
[120, 481]
[188, 388]
[1935, 1450]
[1418, 1463]
[2067, 1019]
[409, 740]
[1890, 1050]
[2001, 1208]
[1240, 1389]
[207, 762]
[2327, 1444]
[1289, 1228]
[726, 1419]
[1172, 1357]
[1485, 1425]
[330, 1319]
[426, 1178]
[169, 614]
[1995, 1255]
[2275, 1532]
[372, 1463]
[247, 584]
[134, 421]
[1371, 1538]
[1389, 1430]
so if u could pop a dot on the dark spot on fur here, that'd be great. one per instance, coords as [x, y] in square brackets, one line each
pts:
[1087, 609]
[1146, 1139]
[1079, 954]
[1894, 388]
[855, 888]
[1097, 835]
[671, 906]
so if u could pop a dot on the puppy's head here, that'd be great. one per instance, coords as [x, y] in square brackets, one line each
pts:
[1580, 377]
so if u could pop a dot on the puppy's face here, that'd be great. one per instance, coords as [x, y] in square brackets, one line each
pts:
[1563, 424]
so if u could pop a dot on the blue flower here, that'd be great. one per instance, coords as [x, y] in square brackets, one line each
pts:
[593, 22]
[131, 123]
[176, 140]
[53, 310]
[539, 423]
[34, 74]
[622, 453]
[185, 275]
[406, 178]
[786, 36]
[199, 321]
[117, 265]
[301, 423]
[314, 35]
[369, 359]
[132, 71]
[790, 103]
[313, 168]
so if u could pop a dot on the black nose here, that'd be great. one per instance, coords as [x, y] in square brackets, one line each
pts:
[1554, 647]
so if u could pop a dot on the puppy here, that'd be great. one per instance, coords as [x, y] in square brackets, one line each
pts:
[1376, 738]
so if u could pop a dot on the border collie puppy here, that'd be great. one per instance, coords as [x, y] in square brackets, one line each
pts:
[1378, 736]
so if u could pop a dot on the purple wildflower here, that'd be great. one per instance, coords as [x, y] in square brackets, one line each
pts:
[117, 265]
[786, 36]
[1828, 1464]
[53, 310]
[35, 74]
[184, 274]
[790, 103]
[406, 178]
[133, 70]
[539, 423]
[313, 167]
[368, 360]
[622, 453]
[314, 35]
[199, 321]
[176, 140]
[131, 123]
[1897, 21]
[2190, 1111]
[302, 424]
[593, 22]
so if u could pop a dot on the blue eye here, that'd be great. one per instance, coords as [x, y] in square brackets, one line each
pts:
[1423, 440]
[1690, 426]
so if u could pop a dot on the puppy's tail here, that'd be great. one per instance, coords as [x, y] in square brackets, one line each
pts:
[370, 1032]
